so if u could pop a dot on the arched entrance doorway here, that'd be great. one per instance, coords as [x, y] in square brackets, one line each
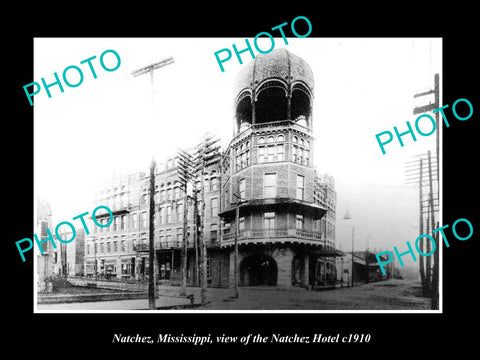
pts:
[258, 270]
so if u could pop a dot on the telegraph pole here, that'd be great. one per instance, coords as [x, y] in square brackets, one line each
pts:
[420, 196]
[195, 234]
[151, 239]
[436, 255]
[151, 236]
[185, 174]
[432, 217]
[237, 233]
[207, 154]
[431, 201]
[414, 173]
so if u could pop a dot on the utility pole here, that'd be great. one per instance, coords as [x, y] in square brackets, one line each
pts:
[414, 173]
[151, 239]
[432, 219]
[207, 154]
[348, 217]
[366, 258]
[353, 230]
[421, 262]
[196, 223]
[185, 170]
[435, 275]
[151, 235]
[237, 234]
[436, 256]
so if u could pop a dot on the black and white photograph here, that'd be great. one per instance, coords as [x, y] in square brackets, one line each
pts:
[222, 178]
[261, 184]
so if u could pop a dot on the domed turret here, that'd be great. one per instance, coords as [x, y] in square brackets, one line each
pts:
[274, 87]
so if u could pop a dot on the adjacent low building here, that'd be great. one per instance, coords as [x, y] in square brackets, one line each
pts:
[365, 268]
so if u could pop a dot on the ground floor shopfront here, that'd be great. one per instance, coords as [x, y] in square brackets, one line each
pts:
[283, 265]
[279, 265]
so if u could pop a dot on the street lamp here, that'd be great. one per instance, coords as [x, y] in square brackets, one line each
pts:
[348, 217]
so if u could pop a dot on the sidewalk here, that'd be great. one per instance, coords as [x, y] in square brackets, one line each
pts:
[168, 297]
[385, 295]
[162, 302]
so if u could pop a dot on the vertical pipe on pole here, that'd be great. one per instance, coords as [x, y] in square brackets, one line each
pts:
[235, 273]
[421, 262]
[195, 239]
[432, 218]
[353, 231]
[203, 249]
[151, 247]
[436, 255]
[183, 290]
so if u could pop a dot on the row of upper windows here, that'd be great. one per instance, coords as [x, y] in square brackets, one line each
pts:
[273, 153]
[164, 216]
[123, 245]
[281, 138]
[270, 149]
[269, 188]
[115, 190]
[176, 193]
[270, 140]
[106, 247]
[163, 192]
[269, 222]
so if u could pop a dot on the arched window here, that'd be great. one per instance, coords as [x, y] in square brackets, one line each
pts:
[244, 113]
[261, 140]
[271, 139]
[244, 126]
[214, 184]
[300, 105]
[302, 121]
[271, 104]
[280, 138]
[162, 192]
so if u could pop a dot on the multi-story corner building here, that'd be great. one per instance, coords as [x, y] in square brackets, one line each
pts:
[286, 219]
[286, 215]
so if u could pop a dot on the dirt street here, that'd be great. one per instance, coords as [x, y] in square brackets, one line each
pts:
[385, 295]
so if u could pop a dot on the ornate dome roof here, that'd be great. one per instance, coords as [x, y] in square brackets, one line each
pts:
[278, 64]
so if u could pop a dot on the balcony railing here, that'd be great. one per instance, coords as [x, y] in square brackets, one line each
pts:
[277, 233]
[140, 248]
[286, 123]
[178, 244]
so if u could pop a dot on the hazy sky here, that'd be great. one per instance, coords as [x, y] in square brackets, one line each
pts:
[362, 87]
